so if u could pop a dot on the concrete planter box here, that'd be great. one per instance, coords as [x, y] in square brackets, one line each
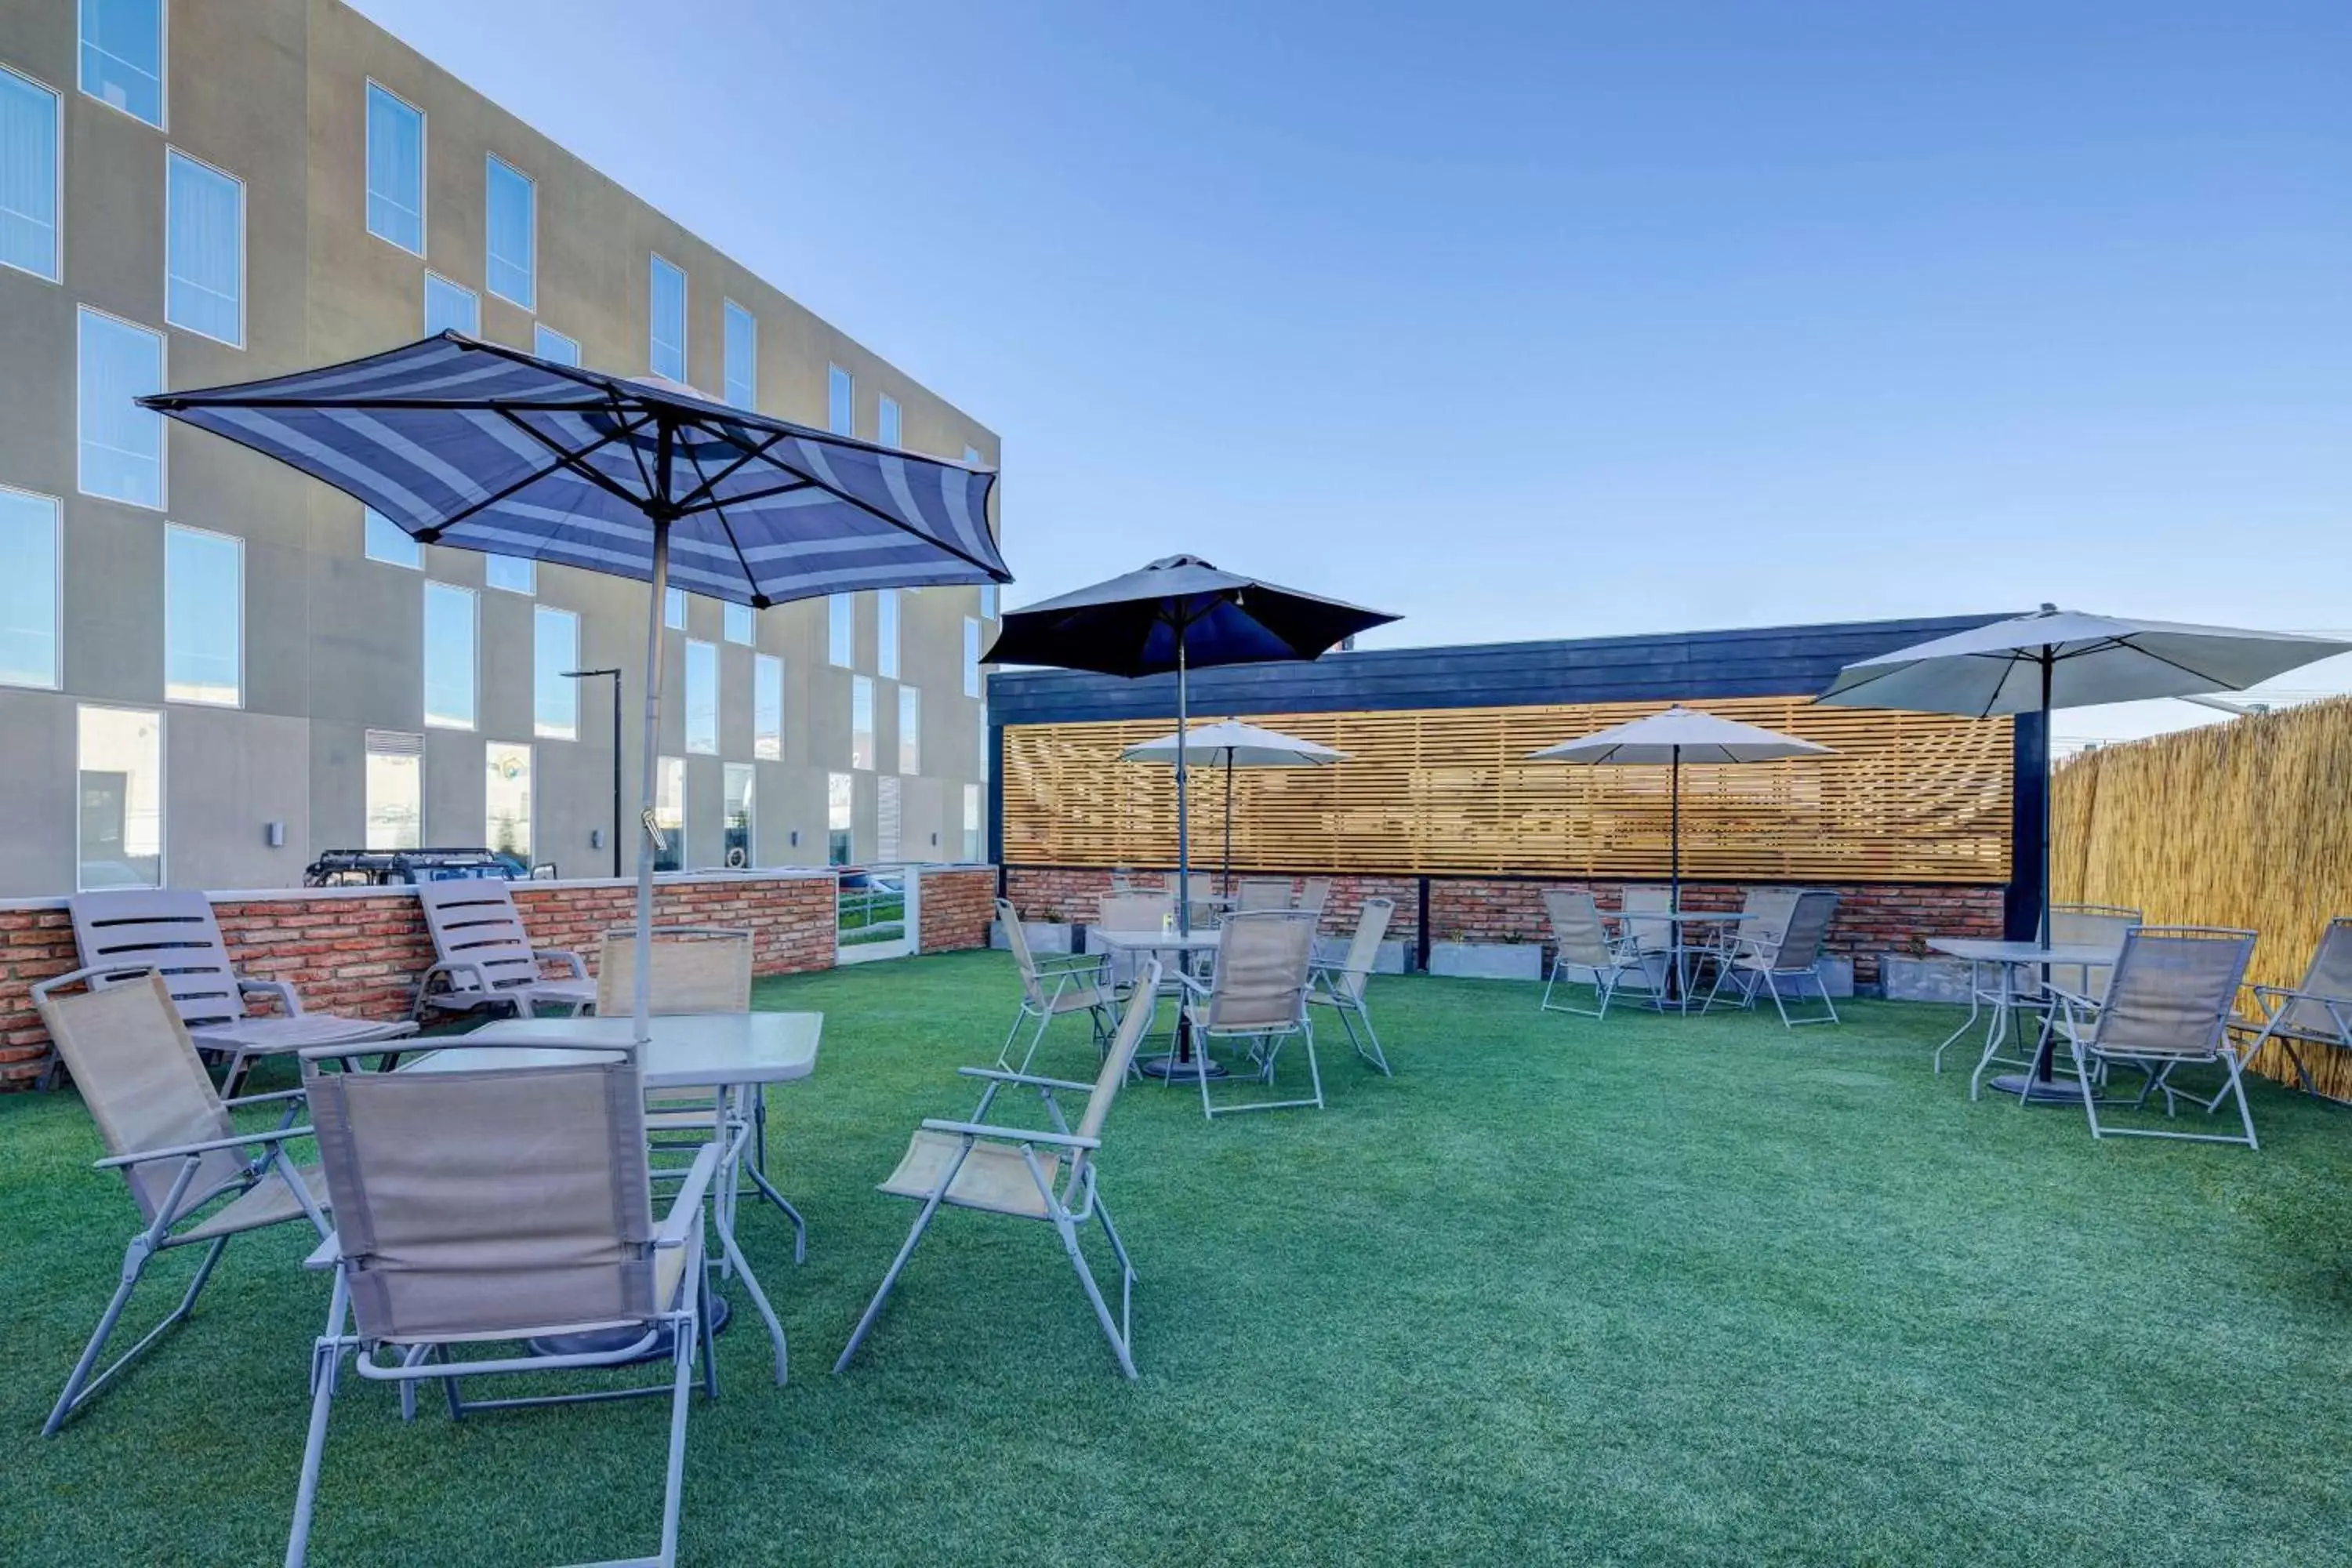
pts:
[1389, 958]
[1486, 961]
[1045, 937]
[1837, 975]
[1906, 978]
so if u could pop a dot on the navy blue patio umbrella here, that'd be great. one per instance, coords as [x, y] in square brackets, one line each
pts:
[471, 443]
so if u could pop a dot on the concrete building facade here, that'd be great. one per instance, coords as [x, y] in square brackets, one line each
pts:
[211, 669]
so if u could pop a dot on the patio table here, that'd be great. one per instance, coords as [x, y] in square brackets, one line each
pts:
[727, 1053]
[1680, 919]
[1993, 970]
[1185, 945]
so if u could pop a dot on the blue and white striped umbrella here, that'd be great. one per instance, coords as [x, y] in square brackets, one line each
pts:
[465, 442]
[471, 443]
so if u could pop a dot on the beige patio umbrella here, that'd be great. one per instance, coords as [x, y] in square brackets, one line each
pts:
[1236, 746]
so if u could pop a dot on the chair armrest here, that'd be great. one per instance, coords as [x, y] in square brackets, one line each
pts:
[327, 1254]
[182, 1150]
[2075, 997]
[564, 956]
[1010, 1134]
[998, 1075]
[97, 976]
[452, 967]
[283, 990]
[244, 1100]
[686, 1209]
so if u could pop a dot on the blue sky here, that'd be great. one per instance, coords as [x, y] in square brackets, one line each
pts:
[1552, 321]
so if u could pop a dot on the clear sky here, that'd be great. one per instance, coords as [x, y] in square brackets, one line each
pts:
[1529, 321]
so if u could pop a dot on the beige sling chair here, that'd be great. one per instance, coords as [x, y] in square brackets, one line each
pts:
[1340, 986]
[2166, 1006]
[1583, 954]
[1262, 893]
[1025, 1174]
[2316, 1012]
[197, 1181]
[1258, 996]
[1054, 988]
[487, 1207]
[696, 969]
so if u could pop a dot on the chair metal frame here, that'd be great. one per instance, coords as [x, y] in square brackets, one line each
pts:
[2083, 1022]
[1068, 1202]
[182, 1214]
[1266, 1022]
[1053, 988]
[2292, 1014]
[1340, 986]
[1760, 962]
[1625, 955]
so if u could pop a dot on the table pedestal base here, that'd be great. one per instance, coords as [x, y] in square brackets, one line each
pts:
[2038, 1090]
[1168, 1067]
[603, 1341]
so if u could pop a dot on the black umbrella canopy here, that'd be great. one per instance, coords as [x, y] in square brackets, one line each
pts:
[1134, 624]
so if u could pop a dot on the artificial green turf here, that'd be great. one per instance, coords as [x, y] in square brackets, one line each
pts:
[1656, 1290]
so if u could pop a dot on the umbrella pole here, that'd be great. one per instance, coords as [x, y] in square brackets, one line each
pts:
[1183, 837]
[1229, 822]
[1674, 831]
[641, 993]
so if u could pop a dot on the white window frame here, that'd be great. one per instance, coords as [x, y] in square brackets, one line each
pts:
[243, 249]
[888, 413]
[424, 170]
[238, 700]
[162, 436]
[767, 746]
[57, 595]
[474, 665]
[532, 185]
[675, 599]
[56, 175]
[729, 311]
[685, 315]
[163, 121]
[162, 784]
[730, 615]
[368, 750]
[541, 729]
[424, 303]
[849, 400]
[541, 330]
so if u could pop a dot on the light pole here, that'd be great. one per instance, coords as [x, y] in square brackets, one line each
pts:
[592, 674]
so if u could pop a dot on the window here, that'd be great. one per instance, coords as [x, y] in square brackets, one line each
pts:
[449, 306]
[988, 601]
[507, 792]
[741, 844]
[910, 730]
[554, 648]
[972, 457]
[122, 56]
[28, 589]
[511, 229]
[886, 819]
[395, 170]
[448, 656]
[987, 751]
[702, 697]
[30, 172]
[861, 722]
[549, 344]
[885, 422]
[119, 805]
[840, 818]
[387, 541]
[974, 849]
[121, 444]
[741, 371]
[666, 352]
[886, 632]
[204, 250]
[767, 708]
[673, 608]
[669, 813]
[738, 622]
[204, 617]
[511, 574]
[395, 790]
[970, 657]
[840, 630]
[840, 401]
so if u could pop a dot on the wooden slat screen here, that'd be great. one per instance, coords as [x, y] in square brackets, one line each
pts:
[1908, 798]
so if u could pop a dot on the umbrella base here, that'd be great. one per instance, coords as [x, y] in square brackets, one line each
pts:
[605, 1341]
[1168, 1067]
[2038, 1090]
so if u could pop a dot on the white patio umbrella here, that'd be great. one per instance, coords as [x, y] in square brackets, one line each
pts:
[1670, 738]
[1236, 746]
[2063, 659]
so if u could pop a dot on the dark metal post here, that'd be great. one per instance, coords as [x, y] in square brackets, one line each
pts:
[1421, 926]
[590, 675]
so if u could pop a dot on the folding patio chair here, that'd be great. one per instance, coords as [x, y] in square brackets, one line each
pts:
[1054, 988]
[491, 1205]
[197, 1181]
[1650, 937]
[483, 959]
[1314, 893]
[171, 930]
[2087, 925]
[2167, 1007]
[1257, 994]
[696, 969]
[1262, 893]
[2316, 1012]
[1130, 913]
[1585, 954]
[1017, 1173]
[1340, 986]
[1783, 964]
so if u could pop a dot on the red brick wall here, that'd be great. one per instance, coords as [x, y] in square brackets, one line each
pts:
[955, 909]
[1872, 918]
[360, 951]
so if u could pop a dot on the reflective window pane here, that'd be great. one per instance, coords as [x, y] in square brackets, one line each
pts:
[970, 657]
[554, 648]
[506, 792]
[886, 423]
[451, 307]
[669, 813]
[122, 56]
[673, 608]
[702, 697]
[840, 630]
[395, 790]
[511, 574]
[511, 227]
[886, 632]
[549, 344]
[741, 842]
[395, 170]
[29, 115]
[666, 351]
[203, 618]
[767, 708]
[120, 804]
[861, 722]
[975, 836]
[840, 401]
[840, 818]
[204, 250]
[28, 589]
[449, 635]
[387, 540]
[742, 356]
[738, 622]
[121, 444]
[910, 730]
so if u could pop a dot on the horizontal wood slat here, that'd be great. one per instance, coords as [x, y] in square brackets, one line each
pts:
[1908, 798]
